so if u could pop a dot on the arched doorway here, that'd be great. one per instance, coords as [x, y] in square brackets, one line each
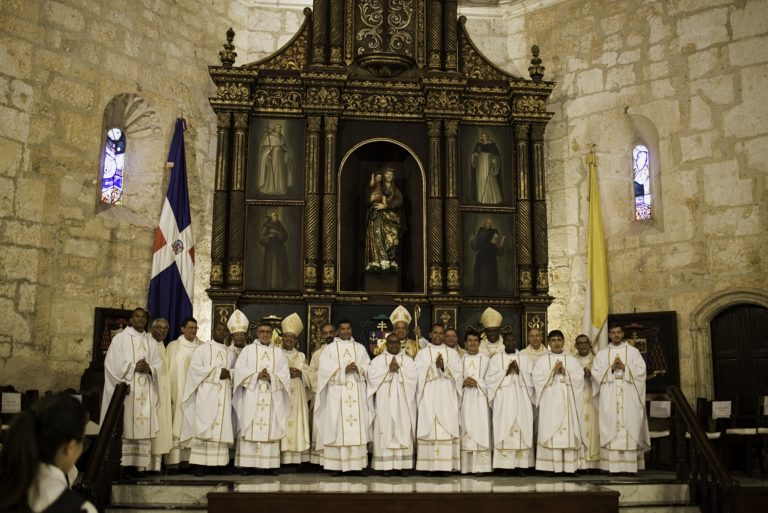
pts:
[739, 337]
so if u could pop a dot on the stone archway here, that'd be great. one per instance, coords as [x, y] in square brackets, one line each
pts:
[701, 337]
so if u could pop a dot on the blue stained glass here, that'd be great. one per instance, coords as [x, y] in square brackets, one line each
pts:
[641, 171]
[114, 165]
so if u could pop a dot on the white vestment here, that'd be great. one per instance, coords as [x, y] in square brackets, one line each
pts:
[591, 416]
[475, 417]
[394, 421]
[512, 401]
[438, 396]
[163, 442]
[487, 169]
[623, 423]
[179, 354]
[262, 405]
[140, 422]
[343, 410]
[490, 349]
[295, 446]
[207, 405]
[534, 354]
[560, 447]
[274, 172]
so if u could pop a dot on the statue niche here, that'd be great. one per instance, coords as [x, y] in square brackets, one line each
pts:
[381, 190]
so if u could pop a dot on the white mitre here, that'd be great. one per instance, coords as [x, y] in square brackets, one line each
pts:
[490, 318]
[238, 322]
[292, 324]
[400, 314]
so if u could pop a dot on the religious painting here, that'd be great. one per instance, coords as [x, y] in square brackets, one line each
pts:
[488, 253]
[273, 248]
[654, 334]
[469, 317]
[276, 159]
[487, 171]
[274, 313]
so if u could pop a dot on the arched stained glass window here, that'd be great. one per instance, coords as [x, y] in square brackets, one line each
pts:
[641, 171]
[114, 164]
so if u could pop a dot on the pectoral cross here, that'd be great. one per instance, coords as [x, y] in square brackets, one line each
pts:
[141, 418]
[142, 399]
[263, 403]
[382, 325]
[350, 402]
[260, 424]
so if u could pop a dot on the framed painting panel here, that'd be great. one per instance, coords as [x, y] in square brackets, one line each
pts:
[487, 167]
[273, 248]
[488, 253]
[275, 159]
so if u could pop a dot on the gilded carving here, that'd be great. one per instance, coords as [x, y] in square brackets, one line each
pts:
[222, 312]
[310, 274]
[318, 316]
[233, 91]
[291, 58]
[534, 321]
[322, 95]
[223, 119]
[372, 19]
[453, 278]
[329, 274]
[399, 18]
[435, 281]
[313, 123]
[525, 279]
[486, 108]
[529, 104]
[475, 65]
[451, 128]
[443, 100]
[542, 279]
[241, 120]
[217, 273]
[277, 99]
[235, 271]
[383, 103]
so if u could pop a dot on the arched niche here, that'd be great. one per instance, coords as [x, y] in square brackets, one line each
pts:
[355, 170]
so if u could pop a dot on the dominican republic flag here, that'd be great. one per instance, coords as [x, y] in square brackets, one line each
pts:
[173, 265]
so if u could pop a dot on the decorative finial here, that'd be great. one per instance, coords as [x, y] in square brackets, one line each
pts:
[536, 70]
[227, 55]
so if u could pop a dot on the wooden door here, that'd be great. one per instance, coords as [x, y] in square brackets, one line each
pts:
[740, 351]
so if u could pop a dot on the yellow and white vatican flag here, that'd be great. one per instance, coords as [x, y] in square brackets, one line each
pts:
[596, 301]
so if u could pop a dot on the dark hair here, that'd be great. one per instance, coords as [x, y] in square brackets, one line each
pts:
[471, 333]
[343, 321]
[555, 333]
[452, 329]
[138, 309]
[187, 321]
[34, 437]
[264, 323]
[434, 324]
[328, 324]
[615, 325]
[581, 335]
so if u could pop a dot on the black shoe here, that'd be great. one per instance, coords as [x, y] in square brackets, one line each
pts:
[198, 470]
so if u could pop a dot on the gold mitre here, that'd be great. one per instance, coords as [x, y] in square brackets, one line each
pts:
[490, 318]
[292, 324]
[400, 314]
[238, 322]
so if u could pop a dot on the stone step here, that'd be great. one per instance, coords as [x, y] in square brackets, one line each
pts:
[649, 494]
[659, 509]
[165, 494]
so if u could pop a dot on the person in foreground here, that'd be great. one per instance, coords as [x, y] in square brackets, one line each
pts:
[38, 458]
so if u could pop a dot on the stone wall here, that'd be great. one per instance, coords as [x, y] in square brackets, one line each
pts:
[693, 70]
[60, 65]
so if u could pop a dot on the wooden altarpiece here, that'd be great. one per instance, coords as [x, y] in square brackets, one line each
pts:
[365, 84]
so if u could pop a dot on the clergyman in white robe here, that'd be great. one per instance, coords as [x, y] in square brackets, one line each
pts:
[511, 393]
[294, 448]
[394, 397]
[262, 405]
[179, 354]
[163, 442]
[342, 406]
[475, 415]
[438, 397]
[560, 447]
[207, 405]
[140, 422]
[624, 433]
[589, 404]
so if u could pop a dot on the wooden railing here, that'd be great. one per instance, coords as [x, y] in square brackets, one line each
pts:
[104, 464]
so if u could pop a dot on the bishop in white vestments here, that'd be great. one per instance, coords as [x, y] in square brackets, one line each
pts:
[491, 343]
[618, 375]
[262, 401]
[163, 442]
[132, 357]
[343, 411]
[438, 396]
[294, 448]
[585, 357]
[559, 381]
[207, 403]
[475, 416]
[179, 355]
[392, 380]
[511, 392]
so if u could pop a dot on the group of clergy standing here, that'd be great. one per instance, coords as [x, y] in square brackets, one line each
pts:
[425, 404]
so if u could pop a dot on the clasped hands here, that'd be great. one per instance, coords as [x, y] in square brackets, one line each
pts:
[264, 374]
[439, 362]
[513, 367]
[394, 366]
[295, 373]
[352, 367]
[470, 382]
[617, 365]
[559, 368]
[142, 367]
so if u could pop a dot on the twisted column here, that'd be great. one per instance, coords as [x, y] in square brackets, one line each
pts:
[540, 250]
[435, 210]
[320, 30]
[312, 203]
[449, 26]
[452, 222]
[219, 223]
[524, 233]
[237, 202]
[434, 33]
[329, 205]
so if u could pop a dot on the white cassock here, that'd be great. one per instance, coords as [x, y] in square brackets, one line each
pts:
[234, 353]
[512, 402]
[343, 410]
[533, 356]
[163, 442]
[295, 446]
[207, 405]
[179, 354]
[262, 405]
[559, 447]
[591, 415]
[475, 417]
[490, 349]
[438, 396]
[315, 453]
[140, 422]
[623, 422]
[394, 420]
